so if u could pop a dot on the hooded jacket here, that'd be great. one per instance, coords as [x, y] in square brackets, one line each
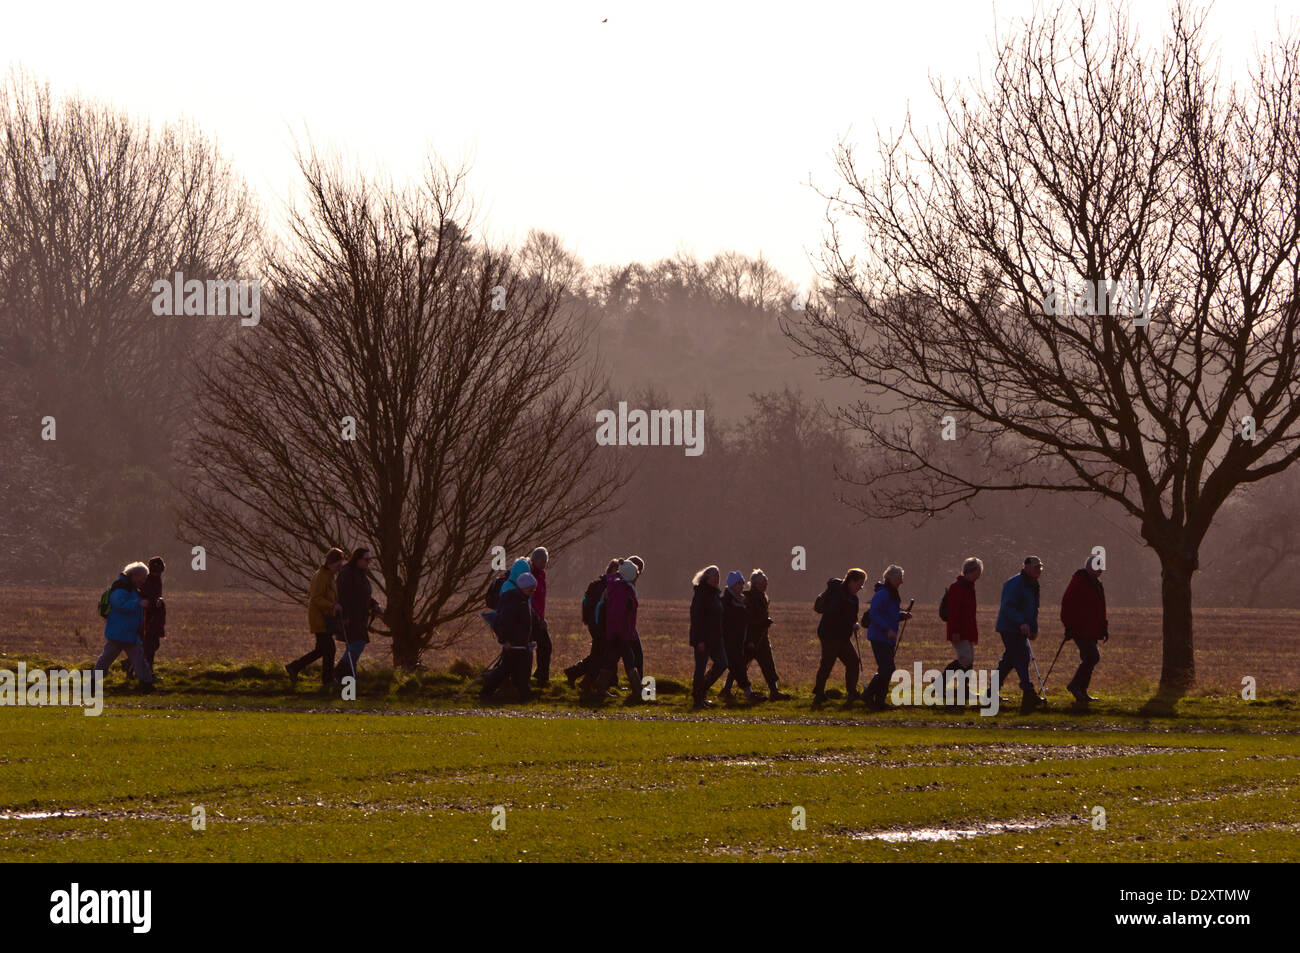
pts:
[125, 612]
[883, 614]
[756, 604]
[517, 569]
[1083, 607]
[155, 614]
[735, 619]
[962, 620]
[1019, 605]
[706, 616]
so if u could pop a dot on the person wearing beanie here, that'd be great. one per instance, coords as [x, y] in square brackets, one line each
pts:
[593, 607]
[620, 632]
[757, 645]
[636, 647]
[513, 626]
[1083, 613]
[735, 624]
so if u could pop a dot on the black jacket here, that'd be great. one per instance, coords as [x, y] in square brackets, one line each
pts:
[706, 616]
[841, 612]
[514, 621]
[756, 604]
[735, 619]
[354, 596]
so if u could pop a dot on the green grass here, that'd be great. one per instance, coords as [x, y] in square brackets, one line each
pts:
[408, 773]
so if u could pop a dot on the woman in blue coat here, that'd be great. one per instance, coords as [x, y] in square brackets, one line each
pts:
[124, 624]
[882, 619]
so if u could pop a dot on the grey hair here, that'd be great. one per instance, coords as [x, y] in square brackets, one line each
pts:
[893, 572]
[135, 567]
[699, 576]
[972, 562]
[540, 551]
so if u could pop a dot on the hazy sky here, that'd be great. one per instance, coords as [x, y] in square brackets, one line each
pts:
[673, 125]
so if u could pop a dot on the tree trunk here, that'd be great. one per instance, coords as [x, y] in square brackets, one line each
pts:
[1178, 668]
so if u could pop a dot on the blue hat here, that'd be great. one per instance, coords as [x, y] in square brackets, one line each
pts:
[734, 577]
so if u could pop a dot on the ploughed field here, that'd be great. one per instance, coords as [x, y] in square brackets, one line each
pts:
[245, 626]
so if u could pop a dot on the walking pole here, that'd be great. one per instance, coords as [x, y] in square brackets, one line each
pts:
[481, 675]
[903, 628]
[1065, 638]
[1033, 658]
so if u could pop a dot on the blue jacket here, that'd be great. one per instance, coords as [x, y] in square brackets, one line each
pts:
[883, 615]
[1019, 605]
[125, 614]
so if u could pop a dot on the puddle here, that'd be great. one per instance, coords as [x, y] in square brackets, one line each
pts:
[917, 834]
[38, 815]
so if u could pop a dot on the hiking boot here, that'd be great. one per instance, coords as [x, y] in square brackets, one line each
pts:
[775, 695]
[819, 698]
[701, 703]
[851, 697]
[725, 694]
[1080, 696]
[753, 696]
[570, 677]
[146, 688]
[293, 677]
[1030, 701]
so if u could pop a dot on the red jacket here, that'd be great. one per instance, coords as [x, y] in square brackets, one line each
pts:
[962, 623]
[539, 594]
[620, 606]
[1083, 607]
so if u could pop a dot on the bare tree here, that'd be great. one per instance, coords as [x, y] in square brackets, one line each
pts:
[474, 427]
[95, 207]
[1083, 159]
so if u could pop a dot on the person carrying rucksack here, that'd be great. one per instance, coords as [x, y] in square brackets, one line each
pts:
[839, 623]
[706, 634]
[513, 626]
[958, 610]
[588, 668]
[1083, 613]
[882, 618]
[124, 622]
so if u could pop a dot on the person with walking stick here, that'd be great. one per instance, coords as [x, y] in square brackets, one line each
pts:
[1083, 613]
[882, 620]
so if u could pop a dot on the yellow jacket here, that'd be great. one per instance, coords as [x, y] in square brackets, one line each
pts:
[321, 600]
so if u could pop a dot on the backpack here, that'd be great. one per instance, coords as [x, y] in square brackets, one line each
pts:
[943, 606]
[103, 602]
[494, 591]
[591, 599]
[819, 606]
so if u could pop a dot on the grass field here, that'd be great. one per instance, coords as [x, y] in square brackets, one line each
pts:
[414, 768]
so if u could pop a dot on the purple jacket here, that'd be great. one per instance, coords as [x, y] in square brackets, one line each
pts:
[620, 609]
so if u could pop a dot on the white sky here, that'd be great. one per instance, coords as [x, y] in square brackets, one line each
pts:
[689, 125]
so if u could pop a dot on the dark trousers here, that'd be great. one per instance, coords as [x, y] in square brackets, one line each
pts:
[760, 650]
[324, 651]
[515, 665]
[737, 664]
[591, 664]
[150, 642]
[616, 649]
[715, 658]
[838, 650]
[640, 655]
[1088, 659]
[542, 637]
[1015, 655]
[884, 653]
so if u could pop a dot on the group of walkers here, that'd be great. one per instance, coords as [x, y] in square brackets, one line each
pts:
[135, 620]
[729, 627]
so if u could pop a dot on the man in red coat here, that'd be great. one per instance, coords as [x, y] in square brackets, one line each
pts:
[1083, 613]
[963, 628]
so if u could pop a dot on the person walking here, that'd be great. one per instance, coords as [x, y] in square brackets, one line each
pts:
[541, 633]
[514, 626]
[155, 613]
[1017, 624]
[592, 605]
[123, 625]
[1083, 613]
[324, 619]
[835, 631]
[882, 618]
[758, 647]
[620, 632]
[357, 605]
[962, 624]
[706, 634]
[735, 625]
